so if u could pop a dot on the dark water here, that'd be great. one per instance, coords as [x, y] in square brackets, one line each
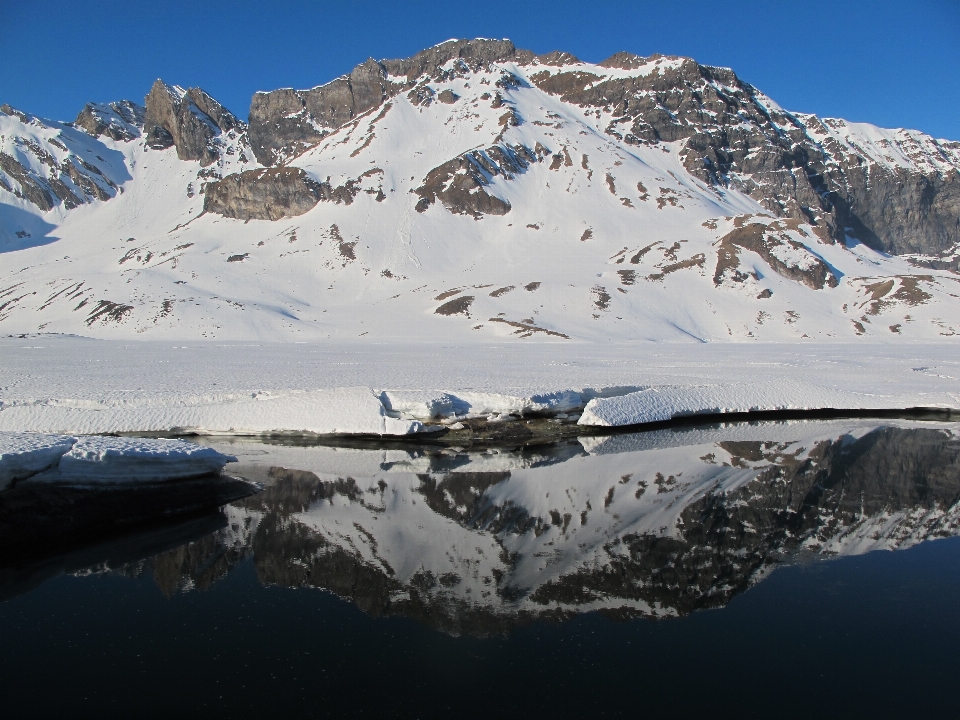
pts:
[774, 570]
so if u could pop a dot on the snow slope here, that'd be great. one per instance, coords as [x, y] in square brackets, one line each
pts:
[604, 240]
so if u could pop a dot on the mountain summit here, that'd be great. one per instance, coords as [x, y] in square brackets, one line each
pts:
[477, 190]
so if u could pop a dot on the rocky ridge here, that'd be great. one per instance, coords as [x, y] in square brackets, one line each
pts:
[189, 120]
[642, 180]
[285, 123]
[899, 193]
[50, 166]
[123, 120]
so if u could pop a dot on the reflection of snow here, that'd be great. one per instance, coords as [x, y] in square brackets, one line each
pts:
[525, 538]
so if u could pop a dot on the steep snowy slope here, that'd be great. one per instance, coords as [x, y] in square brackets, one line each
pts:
[476, 191]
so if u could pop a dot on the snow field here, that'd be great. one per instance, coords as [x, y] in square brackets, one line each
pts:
[26, 454]
[584, 252]
[665, 403]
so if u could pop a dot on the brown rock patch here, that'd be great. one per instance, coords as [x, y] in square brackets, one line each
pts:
[457, 306]
[764, 239]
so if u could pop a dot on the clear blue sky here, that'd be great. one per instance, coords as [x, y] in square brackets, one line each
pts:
[895, 64]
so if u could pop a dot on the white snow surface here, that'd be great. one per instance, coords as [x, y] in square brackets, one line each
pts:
[664, 403]
[76, 385]
[26, 454]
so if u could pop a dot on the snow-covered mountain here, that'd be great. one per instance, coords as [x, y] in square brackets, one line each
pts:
[654, 524]
[478, 191]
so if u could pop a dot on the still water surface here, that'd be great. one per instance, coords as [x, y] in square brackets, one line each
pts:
[753, 570]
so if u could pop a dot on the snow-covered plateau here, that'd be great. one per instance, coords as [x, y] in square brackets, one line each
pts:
[475, 231]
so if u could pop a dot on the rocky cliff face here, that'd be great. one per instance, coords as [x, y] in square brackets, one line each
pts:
[189, 120]
[796, 166]
[285, 123]
[271, 194]
[121, 120]
[459, 184]
[51, 166]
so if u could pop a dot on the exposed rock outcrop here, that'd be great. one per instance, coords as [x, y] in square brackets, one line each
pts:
[31, 188]
[121, 120]
[796, 166]
[285, 123]
[35, 173]
[271, 194]
[772, 243]
[460, 184]
[190, 120]
[900, 194]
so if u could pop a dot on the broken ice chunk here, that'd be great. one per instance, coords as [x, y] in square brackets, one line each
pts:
[112, 460]
[25, 454]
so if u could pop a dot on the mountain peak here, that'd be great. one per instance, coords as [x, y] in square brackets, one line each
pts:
[189, 120]
[478, 189]
[121, 120]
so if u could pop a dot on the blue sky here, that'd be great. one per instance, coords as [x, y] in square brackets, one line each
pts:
[895, 64]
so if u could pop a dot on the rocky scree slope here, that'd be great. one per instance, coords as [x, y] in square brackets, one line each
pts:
[479, 187]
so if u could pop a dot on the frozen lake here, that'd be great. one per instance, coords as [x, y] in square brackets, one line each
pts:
[763, 569]
[59, 384]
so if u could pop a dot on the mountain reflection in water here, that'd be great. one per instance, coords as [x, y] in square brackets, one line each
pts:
[644, 525]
